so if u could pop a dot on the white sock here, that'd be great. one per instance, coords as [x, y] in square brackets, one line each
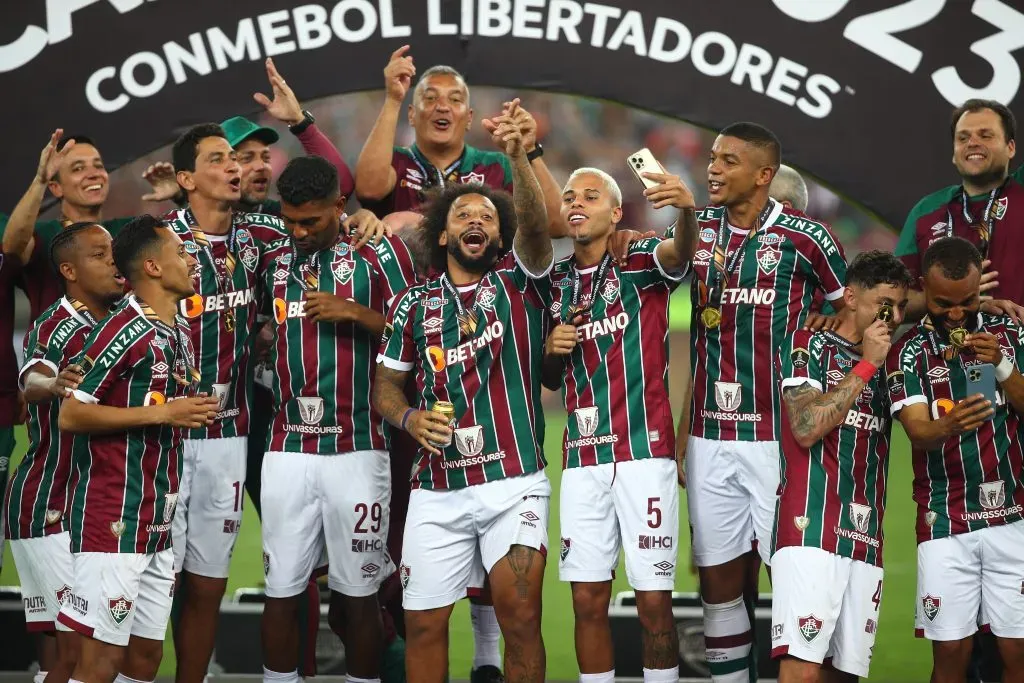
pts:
[485, 636]
[121, 678]
[278, 677]
[39, 677]
[353, 679]
[606, 677]
[661, 675]
[727, 640]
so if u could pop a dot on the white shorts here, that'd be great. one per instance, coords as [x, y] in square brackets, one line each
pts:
[46, 569]
[118, 595]
[451, 534]
[731, 489]
[962, 576]
[825, 607]
[339, 501]
[209, 510]
[633, 505]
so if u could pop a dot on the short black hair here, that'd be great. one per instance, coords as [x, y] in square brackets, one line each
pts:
[758, 136]
[435, 217]
[186, 147]
[308, 179]
[953, 255]
[65, 243]
[138, 238]
[873, 268]
[976, 105]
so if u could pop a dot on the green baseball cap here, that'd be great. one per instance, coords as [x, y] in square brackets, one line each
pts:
[238, 129]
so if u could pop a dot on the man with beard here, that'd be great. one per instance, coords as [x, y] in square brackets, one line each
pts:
[610, 351]
[222, 317]
[474, 335]
[757, 268]
[137, 391]
[37, 526]
[72, 169]
[326, 475]
[968, 456]
[827, 541]
[986, 209]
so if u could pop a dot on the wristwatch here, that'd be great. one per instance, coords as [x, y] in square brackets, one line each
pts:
[536, 153]
[300, 127]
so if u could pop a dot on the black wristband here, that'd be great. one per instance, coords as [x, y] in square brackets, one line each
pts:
[300, 127]
[536, 153]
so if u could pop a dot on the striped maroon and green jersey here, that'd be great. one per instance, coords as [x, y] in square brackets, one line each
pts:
[767, 297]
[974, 480]
[415, 176]
[223, 344]
[38, 490]
[126, 483]
[492, 376]
[832, 495]
[615, 383]
[929, 221]
[323, 372]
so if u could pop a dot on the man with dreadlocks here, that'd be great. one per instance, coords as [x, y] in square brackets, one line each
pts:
[474, 335]
[36, 524]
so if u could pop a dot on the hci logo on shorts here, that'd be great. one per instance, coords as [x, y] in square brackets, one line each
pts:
[120, 607]
[809, 626]
[931, 604]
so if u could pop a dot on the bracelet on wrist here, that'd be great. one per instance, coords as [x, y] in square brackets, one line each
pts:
[405, 416]
[1004, 369]
[865, 370]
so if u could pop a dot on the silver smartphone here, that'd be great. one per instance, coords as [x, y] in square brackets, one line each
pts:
[981, 379]
[643, 161]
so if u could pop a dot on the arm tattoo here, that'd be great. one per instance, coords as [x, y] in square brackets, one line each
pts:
[532, 239]
[389, 394]
[520, 558]
[816, 416]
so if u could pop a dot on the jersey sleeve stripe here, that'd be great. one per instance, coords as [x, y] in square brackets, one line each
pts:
[674, 276]
[32, 362]
[531, 275]
[908, 401]
[838, 294]
[84, 397]
[392, 364]
[800, 381]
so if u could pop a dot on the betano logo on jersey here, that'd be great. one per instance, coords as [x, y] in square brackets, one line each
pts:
[600, 328]
[283, 310]
[154, 398]
[859, 420]
[196, 305]
[439, 358]
[743, 295]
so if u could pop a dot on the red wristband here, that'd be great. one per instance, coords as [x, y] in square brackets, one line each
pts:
[865, 370]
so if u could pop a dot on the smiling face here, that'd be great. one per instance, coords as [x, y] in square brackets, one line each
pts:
[589, 208]
[952, 303]
[472, 235]
[217, 175]
[440, 112]
[736, 169]
[81, 180]
[981, 152]
[254, 162]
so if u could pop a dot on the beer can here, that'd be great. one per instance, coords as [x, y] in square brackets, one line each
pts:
[448, 411]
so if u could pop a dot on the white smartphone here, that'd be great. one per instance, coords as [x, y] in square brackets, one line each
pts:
[644, 162]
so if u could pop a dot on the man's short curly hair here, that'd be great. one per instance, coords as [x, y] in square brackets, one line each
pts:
[435, 217]
[308, 179]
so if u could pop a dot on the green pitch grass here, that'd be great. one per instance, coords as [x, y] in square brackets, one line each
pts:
[898, 655]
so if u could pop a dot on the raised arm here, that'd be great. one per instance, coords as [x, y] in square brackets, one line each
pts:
[19, 236]
[676, 253]
[375, 177]
[532, 241]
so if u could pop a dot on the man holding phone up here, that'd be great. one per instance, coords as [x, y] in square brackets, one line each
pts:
[966, 433]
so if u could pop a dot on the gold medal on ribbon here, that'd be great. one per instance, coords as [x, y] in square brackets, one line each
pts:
[885, 313]
[958, 338]
[468, 322]
[229, 321]
[711, 317]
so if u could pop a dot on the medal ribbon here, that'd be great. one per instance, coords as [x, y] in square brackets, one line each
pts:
[82, 310]
[311, 280]
[721, 268]
[468, 317]
[985, 226]
[947, 351]
[595, 287]
[432, 175]
[843, 343]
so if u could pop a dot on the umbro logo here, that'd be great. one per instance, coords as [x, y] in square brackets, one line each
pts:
[664, 565]
[938, 374]
[836, 375]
